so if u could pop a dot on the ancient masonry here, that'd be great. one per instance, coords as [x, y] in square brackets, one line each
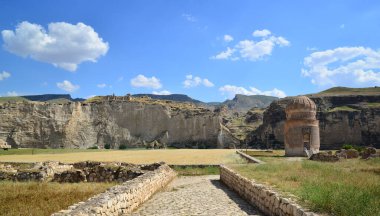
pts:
[123, 199]
[301, 127]
[267, 200]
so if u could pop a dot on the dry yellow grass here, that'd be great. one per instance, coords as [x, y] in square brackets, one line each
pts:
[170, 156]
[39, 199]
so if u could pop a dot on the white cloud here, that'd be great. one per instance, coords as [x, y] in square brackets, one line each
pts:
[261, 33]
[163, 92]
[102, 85]
[189, 17]
[4, 75]
[225, 54]
[358, 66]
[67, 86]
[311, 48]
[231, 91]
[12, 94]
[228, 38]
[64, 45]
[143, 81]
[194, 81]
[253, 50]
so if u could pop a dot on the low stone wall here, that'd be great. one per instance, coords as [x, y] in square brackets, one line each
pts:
[123, 199]
[250, 159]
[40, 171]
[267, 200]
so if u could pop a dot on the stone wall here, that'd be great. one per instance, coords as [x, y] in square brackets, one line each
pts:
[249, 158]
[267, 200]
[123, 199]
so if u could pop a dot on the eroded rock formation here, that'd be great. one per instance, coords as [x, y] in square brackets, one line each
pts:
[111, 120]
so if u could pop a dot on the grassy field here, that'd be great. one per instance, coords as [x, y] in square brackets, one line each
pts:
[349, 91]
[39, 199]
[348, 187]
[170, 156]
[196, 171]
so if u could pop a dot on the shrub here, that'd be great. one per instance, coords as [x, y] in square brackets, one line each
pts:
[107, 146]
[347, 147]
[123, 146]
[93, 147]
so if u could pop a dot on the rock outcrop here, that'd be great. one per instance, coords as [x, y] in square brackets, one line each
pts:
[343, 119]
[111, 120]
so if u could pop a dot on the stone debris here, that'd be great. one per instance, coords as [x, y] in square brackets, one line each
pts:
[347, 153]
[324, 156]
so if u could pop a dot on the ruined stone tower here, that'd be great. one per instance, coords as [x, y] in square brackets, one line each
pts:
[301, 127]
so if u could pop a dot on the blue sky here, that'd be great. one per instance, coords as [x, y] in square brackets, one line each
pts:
[206, 49]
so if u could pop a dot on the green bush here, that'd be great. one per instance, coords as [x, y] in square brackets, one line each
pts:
[123, 146]
[347, 147]
[93, 147]
[107, 146]
[359, 148]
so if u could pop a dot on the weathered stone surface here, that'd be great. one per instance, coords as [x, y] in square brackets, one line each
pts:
[324, 156]
[114, 122]
[348, 154]
[367, 152]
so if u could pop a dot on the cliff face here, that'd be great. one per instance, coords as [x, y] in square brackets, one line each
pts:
[349, 119]
[135, 124]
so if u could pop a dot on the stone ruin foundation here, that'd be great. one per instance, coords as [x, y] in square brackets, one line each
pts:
[88, 171]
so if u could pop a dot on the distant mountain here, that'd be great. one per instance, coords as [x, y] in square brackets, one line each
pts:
[53, 98]
[50, 97]
[172, 97]
[243, 103]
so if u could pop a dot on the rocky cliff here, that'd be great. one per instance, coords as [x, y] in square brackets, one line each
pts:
[112, 120]
[343, 119]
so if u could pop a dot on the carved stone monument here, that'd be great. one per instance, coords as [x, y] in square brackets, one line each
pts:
[301, 127]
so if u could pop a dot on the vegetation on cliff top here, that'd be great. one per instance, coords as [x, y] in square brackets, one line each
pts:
[349, 91]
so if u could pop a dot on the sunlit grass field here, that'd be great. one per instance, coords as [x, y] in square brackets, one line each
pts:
[348, 187]
[170, 156]
[40, 199]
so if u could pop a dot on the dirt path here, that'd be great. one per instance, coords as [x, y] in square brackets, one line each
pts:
[196, 195]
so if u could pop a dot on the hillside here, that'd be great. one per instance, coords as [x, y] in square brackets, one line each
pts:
[172, 97]
[336, 91]
[243, 103]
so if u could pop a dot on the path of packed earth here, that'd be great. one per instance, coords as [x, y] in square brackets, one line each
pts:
[196, 195]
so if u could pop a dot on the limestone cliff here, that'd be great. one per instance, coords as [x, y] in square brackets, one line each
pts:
[343, 119]
[114, 121]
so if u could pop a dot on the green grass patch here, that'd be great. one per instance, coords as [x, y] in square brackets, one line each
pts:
[343, 108]
[196, 171]
[12, 99]
[347, 187]
[39, 199]
[32, 151]
[373, 105]
[350, 91]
